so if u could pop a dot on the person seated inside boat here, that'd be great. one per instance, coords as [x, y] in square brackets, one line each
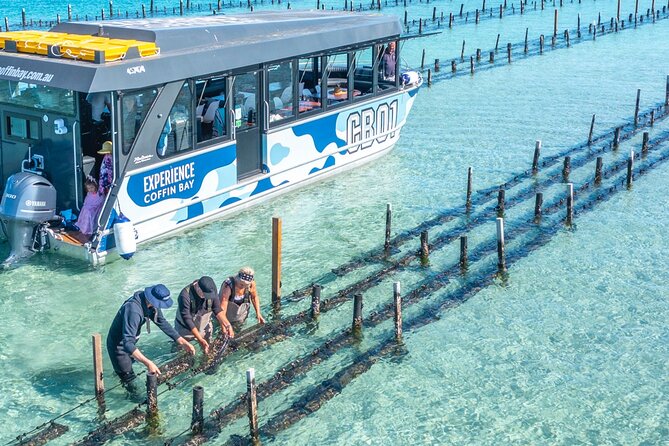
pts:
[142, 307]
[238, 293]
[106, 177]
[88, 217]
[197, 302]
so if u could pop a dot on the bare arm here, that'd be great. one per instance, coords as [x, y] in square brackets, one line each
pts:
[256, 302]
[151, 367]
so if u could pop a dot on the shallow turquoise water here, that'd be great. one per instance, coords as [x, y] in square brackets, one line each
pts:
[573, 350]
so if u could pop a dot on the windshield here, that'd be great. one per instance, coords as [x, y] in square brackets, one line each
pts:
[38, 97]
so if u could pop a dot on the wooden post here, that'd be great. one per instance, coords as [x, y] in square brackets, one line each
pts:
[181, 7]
[652, 118]
[537, 153]
[555, 23]
[315, 301]
[69, 12]
[463, 251]
[616, 137]
[470, 172]
[422, 60]
[483, 6]
[197, 417]
[570, 203]
[578, 26]
[111, 9]
[526, 31]
[424, 248]
[389, 218]
[97, 368]
[143, 11]
[23, 17]
[462, 58]
[420, 26]
[471, 64]
[436, 65]
[406, 16]
[434, 14]
[252, 404]
[541, 44]
[462, 5]
[151, 6]
[508, 51]
[538, 202]
[476, 19]
[500, 11]
[453, 66]
[636, 108]
[356, 328]
[397, 298]
[592, 127]
[618, 11]
[644, 144]
[497, 42]
[450, 20]
[478, 54]
[566, 168]
[429, 77]
[276, 263]
[501, 261]
[630, 166]
[500, 202]
[492, 57]
[598, 170]
[666, 94]
[151, 395]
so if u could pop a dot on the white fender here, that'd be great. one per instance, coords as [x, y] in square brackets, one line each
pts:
[124, 235]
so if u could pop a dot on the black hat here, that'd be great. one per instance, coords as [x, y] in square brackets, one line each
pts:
[208, 287]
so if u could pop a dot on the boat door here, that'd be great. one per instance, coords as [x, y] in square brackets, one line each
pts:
[248, 123]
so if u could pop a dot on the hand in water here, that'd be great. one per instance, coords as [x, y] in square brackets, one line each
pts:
[205, 346]
[188, 347]
[261, 320]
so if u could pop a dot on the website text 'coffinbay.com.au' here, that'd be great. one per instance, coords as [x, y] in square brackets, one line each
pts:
[23, 75]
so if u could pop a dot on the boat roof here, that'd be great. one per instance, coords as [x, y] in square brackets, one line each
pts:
[196, 46]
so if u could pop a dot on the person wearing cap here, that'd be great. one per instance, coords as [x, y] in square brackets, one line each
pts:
[106, 177]
[238, 293]
[197, 302]
[143, 307]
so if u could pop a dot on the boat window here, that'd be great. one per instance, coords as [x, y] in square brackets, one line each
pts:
[337, 79]
[176, 136]
[310, 84]
[280, 82]
[134, 107]
[244, 90]
[387, 65]
[38, 97]
[22, 128]
[363, 72]
[210, 117]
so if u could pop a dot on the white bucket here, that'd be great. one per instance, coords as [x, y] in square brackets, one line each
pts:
[124, 234]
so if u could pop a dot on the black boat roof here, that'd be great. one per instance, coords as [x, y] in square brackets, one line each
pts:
[198, 46]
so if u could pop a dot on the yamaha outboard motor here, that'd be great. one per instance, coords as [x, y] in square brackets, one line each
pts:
[29, 202]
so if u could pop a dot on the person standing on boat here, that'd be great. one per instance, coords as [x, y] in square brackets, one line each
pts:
[197, 302]
[389, 60]
[238, 293]
[143, 307]
[106, 169]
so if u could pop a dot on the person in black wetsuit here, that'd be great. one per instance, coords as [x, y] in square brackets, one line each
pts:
[197, 302]
[142, 307]
[238, 293]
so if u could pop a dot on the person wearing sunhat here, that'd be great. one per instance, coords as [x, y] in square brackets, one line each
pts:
[144, 306]
[238, 293]
[106, 169]
[197, 302]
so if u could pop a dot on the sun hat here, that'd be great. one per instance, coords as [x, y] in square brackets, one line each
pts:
[158, 296]
[208, 287]
[106, 148]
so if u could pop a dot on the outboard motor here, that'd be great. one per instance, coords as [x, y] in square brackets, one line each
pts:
[29, 202]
